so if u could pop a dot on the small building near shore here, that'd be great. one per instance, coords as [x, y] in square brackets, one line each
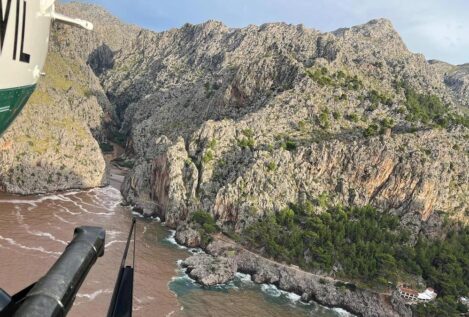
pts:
[464, 301]
[414, 296]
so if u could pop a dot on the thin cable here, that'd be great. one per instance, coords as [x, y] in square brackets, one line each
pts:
[135, 238]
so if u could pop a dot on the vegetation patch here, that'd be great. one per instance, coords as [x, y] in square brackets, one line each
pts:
[248, 139]
[365, 245]
[323, 77]
[124, 163]
[106, 147]
[205, 224]
[430, 109]
[377, 98]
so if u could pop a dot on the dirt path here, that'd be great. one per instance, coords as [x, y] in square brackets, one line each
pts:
[295, 268]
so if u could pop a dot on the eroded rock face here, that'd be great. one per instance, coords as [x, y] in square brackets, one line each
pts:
[229, 121]
[54, 144]
[322, 289]
[456, 78]
[188, 236]
[209, 270]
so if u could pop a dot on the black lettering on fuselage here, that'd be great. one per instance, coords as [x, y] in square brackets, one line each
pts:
[16, 28]
[18, 43]
[4, 16]
[25, 58]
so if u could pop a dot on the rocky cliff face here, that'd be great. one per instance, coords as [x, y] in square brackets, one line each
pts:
[54, 144]
[456, 78]
[241, 122]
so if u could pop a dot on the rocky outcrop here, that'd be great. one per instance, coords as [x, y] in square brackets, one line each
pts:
[456, 78]
[188, 236]
[209, 270]
[225, 258]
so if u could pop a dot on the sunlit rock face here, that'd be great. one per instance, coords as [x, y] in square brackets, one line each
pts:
[242, 122]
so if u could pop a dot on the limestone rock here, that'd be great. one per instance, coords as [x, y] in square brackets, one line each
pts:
[209, 270]
[188, 236]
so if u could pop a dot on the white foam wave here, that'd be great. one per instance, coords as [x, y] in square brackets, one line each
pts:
[82, 208]
[293, 297]
[184, 277]
[244, 278]
[71, 193]
[68, 211]
[113, 242]
[196, 250]
[64, 220]
[113, 233]
[271, 290]
[342, 312]
[46, 235]
[92, 296]
[137, 214]
[172, 239]
[38, 249]
[19, 215]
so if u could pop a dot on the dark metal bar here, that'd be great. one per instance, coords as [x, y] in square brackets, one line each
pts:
[54, 294]
[121, 302]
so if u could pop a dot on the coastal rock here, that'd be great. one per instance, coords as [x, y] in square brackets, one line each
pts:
[209, 270]
[188, 236]
[322, 289]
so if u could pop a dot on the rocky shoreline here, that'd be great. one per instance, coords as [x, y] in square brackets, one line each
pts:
[224, 258]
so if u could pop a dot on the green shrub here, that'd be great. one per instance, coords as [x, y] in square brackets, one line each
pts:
[248, 133]
[302, 125]
[387, 123]
[118, 138]
[371, 131]
[272, 166]
[124, 163]
[324, 121]
[106, 147]
[424, 108]
[290, 145]
[246, 143]
[208, 157]
[376, 98]
[371, 247]
[337, 79]
[212, 144]
[248, 140]
[353, 117]
[202, 217]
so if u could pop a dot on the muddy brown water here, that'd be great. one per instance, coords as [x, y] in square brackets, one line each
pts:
[35, 230]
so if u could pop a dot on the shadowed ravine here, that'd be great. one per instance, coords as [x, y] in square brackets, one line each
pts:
[34, 231]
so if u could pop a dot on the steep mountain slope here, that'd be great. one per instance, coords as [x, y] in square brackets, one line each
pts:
[54, 143]
[457, 78]
[241, 122]
[246, 106]
[237, 124]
